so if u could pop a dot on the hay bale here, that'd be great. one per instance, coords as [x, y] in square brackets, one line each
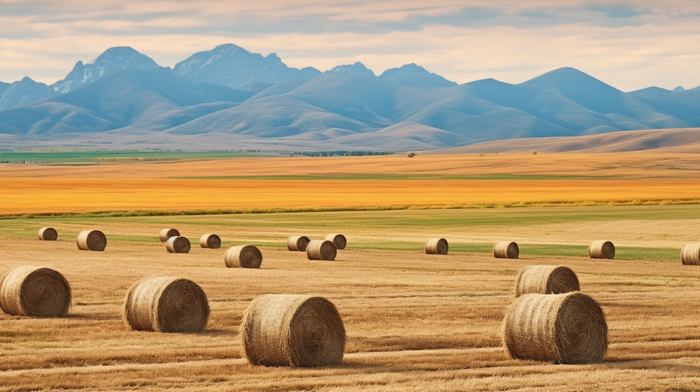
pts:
[436, 246]
[563, 328]
[178, 244]
[506, 250]
[211, 241]
[411, 154]
[48, 234]
[545, 279]
[321, 250]
[338, 240]
[247, 256]
[35, 292]
[165, 234]
[690, 254]
[94, 240]
[298, 243]
[166, 304]
[601, 250]
[292, 330]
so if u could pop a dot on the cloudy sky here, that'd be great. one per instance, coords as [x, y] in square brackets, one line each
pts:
[628, 44]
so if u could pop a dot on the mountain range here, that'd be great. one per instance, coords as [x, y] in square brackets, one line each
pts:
[229, 98]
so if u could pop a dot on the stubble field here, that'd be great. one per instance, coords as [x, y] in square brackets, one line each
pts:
[414, 321]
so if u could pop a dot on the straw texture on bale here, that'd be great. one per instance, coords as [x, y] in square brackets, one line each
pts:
[166, 304]
[211, 241]
[292, 330]
[601, 250]
[690, 254]
[165, 234]
[321, 250]
[563, 328]
[339, 240]
[246, 256]
[506, 250]
[94, 240]
[35, 292]
[178, 244]
[297, 243]
[48, 234]
[436, 246]
[545, 279]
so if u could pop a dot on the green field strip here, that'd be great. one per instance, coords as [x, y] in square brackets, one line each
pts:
[125, 156]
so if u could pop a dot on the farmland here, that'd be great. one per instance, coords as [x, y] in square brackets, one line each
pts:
[414, 321]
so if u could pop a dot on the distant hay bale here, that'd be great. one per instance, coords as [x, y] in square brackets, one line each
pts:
[94, 240]
[601, 250]
[545, 279]
[165, 234]
[563, 328]
[247, 256]
[48, 234]
[506, 250]
[178, 244]
[339, 240]
[211, 241]
[321, 250]
[411, 154]
[690, 254]
[436, 246]
[35, 292]
[166, 304]
[298, 243]
[292, 330]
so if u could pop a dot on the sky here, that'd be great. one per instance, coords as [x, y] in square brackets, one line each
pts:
[627, 44]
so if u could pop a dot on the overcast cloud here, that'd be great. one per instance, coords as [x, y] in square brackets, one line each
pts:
[628, 44]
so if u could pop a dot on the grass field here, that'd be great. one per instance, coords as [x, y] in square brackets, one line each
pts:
[414, 321]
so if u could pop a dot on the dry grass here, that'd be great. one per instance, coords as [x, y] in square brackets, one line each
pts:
[414, 322]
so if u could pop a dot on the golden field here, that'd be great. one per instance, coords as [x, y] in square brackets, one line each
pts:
[414, 321]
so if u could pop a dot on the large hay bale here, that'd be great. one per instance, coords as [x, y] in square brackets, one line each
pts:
[690, 254]
[166, 304]
[48, 234]
[292, 330]
[165, 234]
[35, 292]
[545, 279]
[246, 256]
[178, 244]
[298, 243]
[339, 240]
[321, 250]
[94, 240]
[506, 250]
[563, 328]
[601, 250]
[436, 246]
[211, 241]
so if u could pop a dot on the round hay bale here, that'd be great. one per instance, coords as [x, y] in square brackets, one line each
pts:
[298, 243]
[563, 328]
[601, 250]
[411, 154]
[436, 246]
[178, 244]
[35, 292]
[247, 256]
[94, 240]
[292, 330]
[165, 304]
[48, 234]
[321, 250]
[339, 240]
[211, 241]
[690, 254]
[506, 250]
[165, 234]
[545, 279]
